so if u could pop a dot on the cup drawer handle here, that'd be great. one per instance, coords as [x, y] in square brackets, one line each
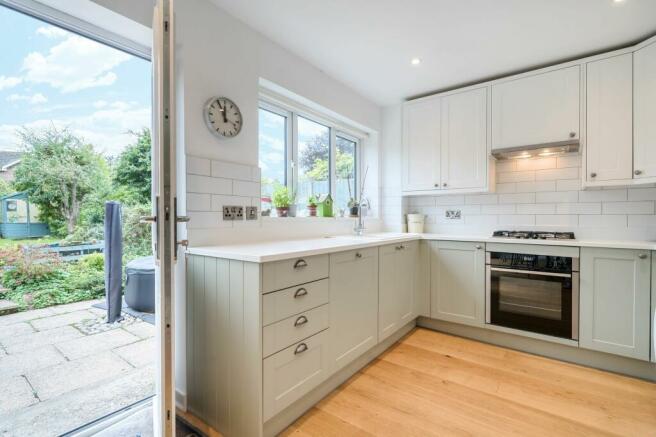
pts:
[300, 349]
[302, 320]
[300, 264]
[300, 293]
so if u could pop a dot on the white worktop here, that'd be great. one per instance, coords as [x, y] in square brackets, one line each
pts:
[286, 249]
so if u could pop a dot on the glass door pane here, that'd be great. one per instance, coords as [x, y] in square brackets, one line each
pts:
[313, 160]
[273, 153]
[345, 172]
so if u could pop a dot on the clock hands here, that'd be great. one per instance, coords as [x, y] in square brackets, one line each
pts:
[223, 111]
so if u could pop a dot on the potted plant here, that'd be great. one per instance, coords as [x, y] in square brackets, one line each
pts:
[281, 199]
[312, 206]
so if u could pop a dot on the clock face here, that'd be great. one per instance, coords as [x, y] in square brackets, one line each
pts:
[223, 117]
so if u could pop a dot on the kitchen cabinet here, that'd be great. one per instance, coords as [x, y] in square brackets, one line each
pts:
[615, 301]
[458, 282]
[644, 104]
[463, 149]
[396, 292]
[536, 109]
[353, 304]
[421, 140]
[653, 307]
[609, 119]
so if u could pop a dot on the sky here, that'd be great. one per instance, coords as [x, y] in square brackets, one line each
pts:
[49, 76]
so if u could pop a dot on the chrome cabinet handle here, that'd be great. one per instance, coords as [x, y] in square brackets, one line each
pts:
[300, 293]
[637, 172]
[593, 175]
[300, 349]
[572, 134]
[479, 247]
[302, 320]
[444, 184]
[300, 264]
[642, 256]
[437, 185]
[358, 255]
[148, 219]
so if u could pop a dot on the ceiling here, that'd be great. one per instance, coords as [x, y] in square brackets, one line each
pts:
[368, 44]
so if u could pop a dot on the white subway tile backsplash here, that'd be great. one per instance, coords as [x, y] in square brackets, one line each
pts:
[481, 199]
[510, 187]
[450, 200]
[536, 208]
[568, 185]
[230, 170]
[517, 198]
[568, 221]
[421, 201]
[603, 221]
[246, 188]
[218, 202]
[256, 174]
[205, 220]
[532, 187]
[645, 207]
[642, 193]
[506, 166]
[579, 208]
[536, 164]
[642, 221]
[206, 184]
[569, 160]
[603, 195]
[199, 202]
[481, 220]
[557, 197]
[518, 176]
[498, 209]
[198, 166]
[517, 220]
[556, 174]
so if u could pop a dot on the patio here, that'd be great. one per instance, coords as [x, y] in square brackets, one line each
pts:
[61, 367]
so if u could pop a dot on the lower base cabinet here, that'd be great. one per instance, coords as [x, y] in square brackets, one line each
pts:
[615, 301]
[396, 291]
[353, 304]
[458, 282]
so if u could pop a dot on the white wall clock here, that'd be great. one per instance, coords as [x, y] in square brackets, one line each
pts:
[223, 117]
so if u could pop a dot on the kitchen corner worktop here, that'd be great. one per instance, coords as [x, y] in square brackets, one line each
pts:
[285, 249]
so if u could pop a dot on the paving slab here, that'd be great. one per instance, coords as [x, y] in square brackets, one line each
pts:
[7, 306]
[16, 394]
[78, 407]
[91, 344]
[138, 354]
[24, 362]
[15, 329]
[70, 375]
[21, 343]
[56, 321]
[70, 307]
[141, 329]
[25, 316]
[140, 423]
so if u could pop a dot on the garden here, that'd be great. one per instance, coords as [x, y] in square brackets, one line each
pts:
[68, 182]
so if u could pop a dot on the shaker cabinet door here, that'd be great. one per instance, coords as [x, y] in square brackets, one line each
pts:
[615, 301]
[421, 145]
[644, 117]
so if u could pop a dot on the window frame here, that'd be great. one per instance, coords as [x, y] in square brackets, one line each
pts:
[292, 113]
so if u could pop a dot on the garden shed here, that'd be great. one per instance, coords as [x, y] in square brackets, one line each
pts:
[18, 219]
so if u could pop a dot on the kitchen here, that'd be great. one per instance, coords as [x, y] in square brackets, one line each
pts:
[407, 218]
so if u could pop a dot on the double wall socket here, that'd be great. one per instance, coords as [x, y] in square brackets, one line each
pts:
[237, 213]
[453, 214]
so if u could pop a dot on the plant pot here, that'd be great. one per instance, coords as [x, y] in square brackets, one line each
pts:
[312, 210]
[282, 211]
[292, 211]
[353, 211]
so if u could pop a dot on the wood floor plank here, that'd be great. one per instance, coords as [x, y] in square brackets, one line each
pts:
[437, 384]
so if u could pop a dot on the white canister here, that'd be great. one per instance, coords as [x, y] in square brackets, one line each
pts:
[416, 223]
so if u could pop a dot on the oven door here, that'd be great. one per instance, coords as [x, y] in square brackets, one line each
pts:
[540, 302]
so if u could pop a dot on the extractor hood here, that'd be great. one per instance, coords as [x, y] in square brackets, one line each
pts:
[537, 150]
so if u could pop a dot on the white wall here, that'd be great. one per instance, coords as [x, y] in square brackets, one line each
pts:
[392, 208]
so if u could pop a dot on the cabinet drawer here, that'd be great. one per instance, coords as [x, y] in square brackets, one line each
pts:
[285, 303]
[282, 274]
[292, 329]
[293, 372]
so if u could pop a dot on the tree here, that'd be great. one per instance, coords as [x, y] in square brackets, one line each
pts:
[5, 188]
[58, 170]
[314, 150]
[133, 168]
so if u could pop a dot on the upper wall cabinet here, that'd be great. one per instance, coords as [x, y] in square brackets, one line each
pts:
[445, 144]
[538, 109]
[609, 119]
[644, 104]
[464, 140]
[421, 139]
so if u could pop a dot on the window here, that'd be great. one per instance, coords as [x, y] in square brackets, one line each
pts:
[309, 156]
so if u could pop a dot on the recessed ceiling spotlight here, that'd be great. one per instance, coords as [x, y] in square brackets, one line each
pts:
[415, 61]
[618, 1]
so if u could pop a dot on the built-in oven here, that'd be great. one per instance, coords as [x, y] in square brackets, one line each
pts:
[532, 292]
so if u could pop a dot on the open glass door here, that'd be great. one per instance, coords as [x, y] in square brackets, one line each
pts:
[164, 209]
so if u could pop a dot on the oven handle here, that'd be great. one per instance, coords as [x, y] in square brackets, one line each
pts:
[531, 272]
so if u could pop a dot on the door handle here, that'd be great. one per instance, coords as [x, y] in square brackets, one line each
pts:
[302, 320]
[300, 349]
[148, 219]
[300, 264]
[300, 293]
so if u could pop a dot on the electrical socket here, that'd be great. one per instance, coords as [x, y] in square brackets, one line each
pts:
[453, 214]
[251, 213]
[233, 213]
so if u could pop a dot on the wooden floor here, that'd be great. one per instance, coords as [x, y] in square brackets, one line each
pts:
[436, 384]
